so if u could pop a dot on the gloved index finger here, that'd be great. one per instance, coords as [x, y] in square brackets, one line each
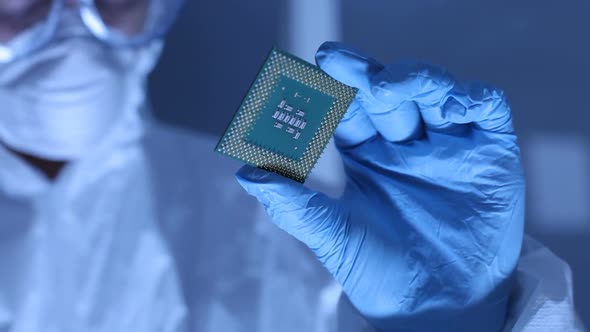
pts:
[354, 69]
[420, 84]
[368, 115]
[347, 65]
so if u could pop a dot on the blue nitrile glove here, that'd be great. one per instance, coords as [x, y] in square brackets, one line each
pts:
[428, 232]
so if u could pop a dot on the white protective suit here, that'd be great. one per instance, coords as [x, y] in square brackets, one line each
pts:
[153, 233]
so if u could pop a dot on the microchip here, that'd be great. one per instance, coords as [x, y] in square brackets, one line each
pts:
[287, 117]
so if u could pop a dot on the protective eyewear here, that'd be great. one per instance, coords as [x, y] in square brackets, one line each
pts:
[28, 25]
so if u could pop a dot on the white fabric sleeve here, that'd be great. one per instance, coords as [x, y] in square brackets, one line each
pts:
[541, 301]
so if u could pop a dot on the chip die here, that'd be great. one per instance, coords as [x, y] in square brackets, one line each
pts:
[287, 117]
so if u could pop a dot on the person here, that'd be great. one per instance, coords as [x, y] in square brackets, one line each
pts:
[112, 221]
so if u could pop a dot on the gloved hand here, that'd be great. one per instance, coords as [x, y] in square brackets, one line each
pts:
[427, 234]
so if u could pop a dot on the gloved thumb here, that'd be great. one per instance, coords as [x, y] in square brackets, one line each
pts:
[309, 216]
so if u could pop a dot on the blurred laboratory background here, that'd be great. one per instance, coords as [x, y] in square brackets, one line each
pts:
[537, 51]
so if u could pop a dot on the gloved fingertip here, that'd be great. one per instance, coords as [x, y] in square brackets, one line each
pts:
[347, 65]
[325, 50]
[267, 185]
[248, 176]
[272, 190]
[325, 55]
[248, 172]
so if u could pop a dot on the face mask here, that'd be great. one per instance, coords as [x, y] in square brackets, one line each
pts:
[64, 100]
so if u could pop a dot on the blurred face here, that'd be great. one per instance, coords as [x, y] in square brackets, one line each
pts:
[125, 16]
[70, 70]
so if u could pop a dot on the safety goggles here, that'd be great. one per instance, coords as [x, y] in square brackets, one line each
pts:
[28, 25]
